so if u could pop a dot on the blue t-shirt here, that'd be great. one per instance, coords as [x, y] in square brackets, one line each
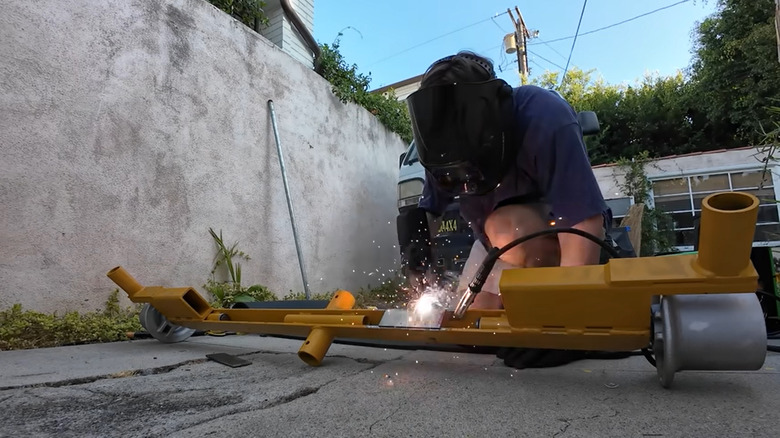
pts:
[552, 167]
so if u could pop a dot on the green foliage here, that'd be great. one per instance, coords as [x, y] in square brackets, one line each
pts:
[651, 114]
[657, 225]
[227, 293]
[386, 295]
[350, 86]
[735, 72]
[770, 142]
[248, 12]
[22, 329]
[721, 103]
[297, 296]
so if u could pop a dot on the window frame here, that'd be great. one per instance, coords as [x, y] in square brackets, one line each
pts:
[728, 170]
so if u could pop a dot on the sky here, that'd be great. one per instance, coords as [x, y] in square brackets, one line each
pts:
[398, 39]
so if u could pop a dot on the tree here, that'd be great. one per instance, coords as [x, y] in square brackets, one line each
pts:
[652, 114]
[735, 71]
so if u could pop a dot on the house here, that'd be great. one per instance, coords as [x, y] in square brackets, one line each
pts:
[680, 182]
[290, 27]
[402, 89]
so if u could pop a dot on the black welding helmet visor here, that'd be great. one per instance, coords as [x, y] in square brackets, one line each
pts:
[462, 134]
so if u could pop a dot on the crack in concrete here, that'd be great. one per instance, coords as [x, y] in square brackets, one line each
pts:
[285, 399]
[568, 421]
[566, 424]
[117, 375]
[303, 392]
[126, 373]
[6, 398]
[371, 427]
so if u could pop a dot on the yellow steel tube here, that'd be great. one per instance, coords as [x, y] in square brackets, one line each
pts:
[303, 318]
[493, 323]
[342, 300]
[124, 280]
[316, 346]
[728, 223]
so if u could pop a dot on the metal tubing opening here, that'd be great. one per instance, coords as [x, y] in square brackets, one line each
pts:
[315, 346]
[728, 224]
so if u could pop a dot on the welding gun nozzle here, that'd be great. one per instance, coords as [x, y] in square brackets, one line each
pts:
[464, 303]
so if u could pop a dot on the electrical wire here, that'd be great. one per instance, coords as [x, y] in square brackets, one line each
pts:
[563, 77]
[544, 59]
[610, 250]
[760, 292]
[551, 48]
[436, 38]
[618, 23]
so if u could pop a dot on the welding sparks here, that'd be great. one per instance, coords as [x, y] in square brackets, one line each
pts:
[426, 304]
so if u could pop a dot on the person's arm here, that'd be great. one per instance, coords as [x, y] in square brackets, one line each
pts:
[567, 179]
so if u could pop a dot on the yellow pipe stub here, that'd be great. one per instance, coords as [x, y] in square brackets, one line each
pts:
[342, 300]
[316, 346]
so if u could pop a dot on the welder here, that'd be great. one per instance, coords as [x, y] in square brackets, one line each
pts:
[515, 161]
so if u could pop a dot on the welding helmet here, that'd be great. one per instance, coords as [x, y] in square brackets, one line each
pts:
[463, 134]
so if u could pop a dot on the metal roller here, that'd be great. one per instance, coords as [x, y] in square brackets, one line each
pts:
[708, 332]
[160, 328]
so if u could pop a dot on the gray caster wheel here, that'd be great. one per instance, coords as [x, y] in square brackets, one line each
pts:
[158, 326]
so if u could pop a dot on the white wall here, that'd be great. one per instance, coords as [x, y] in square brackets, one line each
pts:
[128, 128]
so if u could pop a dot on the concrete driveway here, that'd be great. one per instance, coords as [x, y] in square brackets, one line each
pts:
[145, 388]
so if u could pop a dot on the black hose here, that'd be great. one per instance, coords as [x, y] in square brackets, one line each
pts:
[493, 255]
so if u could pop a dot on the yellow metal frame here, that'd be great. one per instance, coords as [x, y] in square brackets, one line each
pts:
[604, 307]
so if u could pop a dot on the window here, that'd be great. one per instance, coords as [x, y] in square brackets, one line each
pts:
[620, 207]
[682, 198]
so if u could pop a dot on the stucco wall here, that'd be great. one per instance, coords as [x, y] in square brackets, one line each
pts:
[128, 128]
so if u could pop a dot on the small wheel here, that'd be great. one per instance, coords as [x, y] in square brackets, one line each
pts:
[158, 326]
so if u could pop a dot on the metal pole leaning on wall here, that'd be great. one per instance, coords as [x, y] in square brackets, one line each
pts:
[289, 201]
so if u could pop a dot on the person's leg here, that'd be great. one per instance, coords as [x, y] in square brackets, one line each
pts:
[504, 225]
[513, 221]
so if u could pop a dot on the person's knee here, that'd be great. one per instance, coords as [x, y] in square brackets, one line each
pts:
[511, 222]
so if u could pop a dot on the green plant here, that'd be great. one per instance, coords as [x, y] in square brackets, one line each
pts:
[23, 329]
[249, 12]
[350, 86]
[229, 292]
[769, 143]
[385, 295]
[657, 225]
[297, 296]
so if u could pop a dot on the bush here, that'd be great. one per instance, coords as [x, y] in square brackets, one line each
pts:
[23, 329]
[351, 86]
[245, 11]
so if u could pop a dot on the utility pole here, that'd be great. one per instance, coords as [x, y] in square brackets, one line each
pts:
[521, 37]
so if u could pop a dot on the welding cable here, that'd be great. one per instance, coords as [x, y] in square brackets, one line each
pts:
[760, 292]
[490, 260]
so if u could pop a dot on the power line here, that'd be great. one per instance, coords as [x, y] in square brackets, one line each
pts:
[619, 23]
[545, 59]
[577, 32]
[551, 47]
[436, 38]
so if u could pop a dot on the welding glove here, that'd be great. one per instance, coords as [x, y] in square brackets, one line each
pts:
[414, 238]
